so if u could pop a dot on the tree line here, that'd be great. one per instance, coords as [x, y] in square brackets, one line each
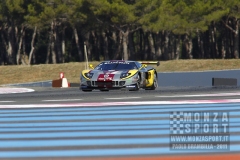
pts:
[59, 31]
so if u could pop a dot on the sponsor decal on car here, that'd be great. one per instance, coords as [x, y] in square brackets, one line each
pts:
[132, 86]
[117, 62]
[105, 77]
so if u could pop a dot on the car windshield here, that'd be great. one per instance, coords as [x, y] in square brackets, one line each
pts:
[116, 66]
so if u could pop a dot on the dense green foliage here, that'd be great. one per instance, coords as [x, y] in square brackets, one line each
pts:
[58, 31]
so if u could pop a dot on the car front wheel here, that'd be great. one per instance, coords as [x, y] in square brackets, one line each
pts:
[87, 90]
[137, 85]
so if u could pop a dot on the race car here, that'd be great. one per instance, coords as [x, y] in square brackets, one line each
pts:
[119, 74]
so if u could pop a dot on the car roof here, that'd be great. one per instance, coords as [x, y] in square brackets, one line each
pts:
[119, 61]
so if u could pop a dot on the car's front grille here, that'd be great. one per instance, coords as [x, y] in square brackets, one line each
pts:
[100, 83]
[108, 83]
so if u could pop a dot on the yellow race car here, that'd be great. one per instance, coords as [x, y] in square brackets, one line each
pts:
[119, 74]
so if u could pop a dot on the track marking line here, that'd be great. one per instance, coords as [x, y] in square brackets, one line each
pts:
[60, 100]
[6, 101]
[92, 104]
[15, 90]
[203, 95]
[124, 98]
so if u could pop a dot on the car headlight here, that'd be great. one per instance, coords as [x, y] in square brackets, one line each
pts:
[88, 75]
[123, 75]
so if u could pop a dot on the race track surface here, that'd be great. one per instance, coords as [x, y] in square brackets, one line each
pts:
[66, 123]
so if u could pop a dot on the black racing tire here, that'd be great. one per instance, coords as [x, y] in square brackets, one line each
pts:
[87, 90]
[155, 83]
[137, 85]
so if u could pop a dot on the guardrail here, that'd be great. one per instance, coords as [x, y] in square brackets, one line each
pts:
[197, 79]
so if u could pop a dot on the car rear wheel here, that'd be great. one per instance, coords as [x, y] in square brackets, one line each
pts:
[154, 85]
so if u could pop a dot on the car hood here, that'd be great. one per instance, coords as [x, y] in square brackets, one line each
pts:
[107, 75]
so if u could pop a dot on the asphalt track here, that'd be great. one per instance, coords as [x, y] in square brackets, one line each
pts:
[65, 123]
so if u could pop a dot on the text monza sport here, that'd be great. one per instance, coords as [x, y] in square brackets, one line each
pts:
[187, 128]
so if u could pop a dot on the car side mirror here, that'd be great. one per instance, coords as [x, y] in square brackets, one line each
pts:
[143, 66]
[91, 66]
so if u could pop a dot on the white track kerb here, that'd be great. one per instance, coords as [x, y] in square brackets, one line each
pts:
[122, 103]
[15, 90]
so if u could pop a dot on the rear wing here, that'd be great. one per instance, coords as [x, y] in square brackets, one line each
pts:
[151, 62]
